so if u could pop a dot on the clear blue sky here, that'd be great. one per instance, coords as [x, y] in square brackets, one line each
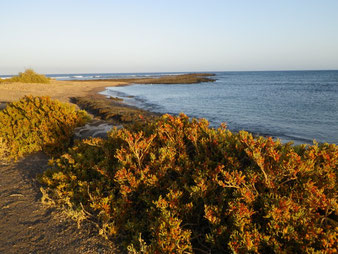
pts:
[68, 36]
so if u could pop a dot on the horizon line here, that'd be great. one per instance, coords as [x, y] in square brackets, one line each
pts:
[202, 71]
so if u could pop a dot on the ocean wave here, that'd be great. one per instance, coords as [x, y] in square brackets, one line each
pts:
[57, 77]
[169, 74]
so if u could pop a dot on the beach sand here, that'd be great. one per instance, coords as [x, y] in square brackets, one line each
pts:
[61, 90]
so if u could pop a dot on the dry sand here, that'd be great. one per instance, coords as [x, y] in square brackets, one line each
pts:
[61, 90]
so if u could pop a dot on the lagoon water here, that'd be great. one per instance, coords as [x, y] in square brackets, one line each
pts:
[294, 106]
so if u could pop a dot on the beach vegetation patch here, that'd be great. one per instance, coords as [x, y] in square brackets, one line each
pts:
[28, 76]
[37, 123]
[177, 186]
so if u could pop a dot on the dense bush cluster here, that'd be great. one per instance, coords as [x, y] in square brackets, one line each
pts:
[29, 76]
[178, 186]
[37, 123]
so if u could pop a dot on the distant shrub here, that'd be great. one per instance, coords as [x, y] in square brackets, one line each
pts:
[29, 76]
[177, 186]
[37, 123]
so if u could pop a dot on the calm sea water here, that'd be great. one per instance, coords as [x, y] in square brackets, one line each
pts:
[294, 106]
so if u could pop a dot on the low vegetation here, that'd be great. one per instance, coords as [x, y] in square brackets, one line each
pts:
[37, 123]
[29, 76]
[177, 186]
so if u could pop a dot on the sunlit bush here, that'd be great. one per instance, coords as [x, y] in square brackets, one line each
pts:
[184, 187]
[29, 76]
[37, 123]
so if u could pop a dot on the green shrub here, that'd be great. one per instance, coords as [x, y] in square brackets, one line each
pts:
[37, 123]
[187, 188]
[29, 76]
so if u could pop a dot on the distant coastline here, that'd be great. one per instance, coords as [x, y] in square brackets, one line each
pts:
[189, 78]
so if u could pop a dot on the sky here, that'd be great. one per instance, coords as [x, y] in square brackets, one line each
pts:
[113, 36]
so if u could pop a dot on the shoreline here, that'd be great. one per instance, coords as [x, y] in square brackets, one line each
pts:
[64, 90]
[86, 94]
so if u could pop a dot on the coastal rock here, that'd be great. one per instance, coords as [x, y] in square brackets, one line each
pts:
[95, 128]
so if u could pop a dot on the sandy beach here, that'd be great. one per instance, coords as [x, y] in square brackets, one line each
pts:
[61, 90]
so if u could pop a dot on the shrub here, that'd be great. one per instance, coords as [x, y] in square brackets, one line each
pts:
[37, 123]
[177, 186]
[3, 149]
[29, 76]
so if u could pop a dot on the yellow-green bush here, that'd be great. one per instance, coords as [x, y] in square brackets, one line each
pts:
[187, 188]
[3, 149]
[29, 76]
[37, 123]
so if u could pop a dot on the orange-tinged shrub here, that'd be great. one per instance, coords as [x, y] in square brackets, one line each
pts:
[37, 123]
[187, 188]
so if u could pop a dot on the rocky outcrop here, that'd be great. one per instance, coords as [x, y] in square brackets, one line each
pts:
[95, 128]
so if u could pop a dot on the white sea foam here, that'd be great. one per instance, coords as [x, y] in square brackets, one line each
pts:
[60, 77]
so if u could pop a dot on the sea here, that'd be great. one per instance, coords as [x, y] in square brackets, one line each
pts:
[297, 106]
